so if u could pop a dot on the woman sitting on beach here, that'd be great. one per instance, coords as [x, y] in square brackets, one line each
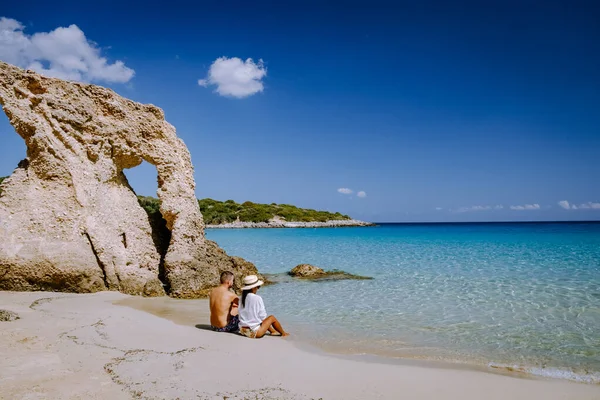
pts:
[254, 322]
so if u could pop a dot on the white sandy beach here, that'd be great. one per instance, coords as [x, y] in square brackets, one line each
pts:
[69, 346]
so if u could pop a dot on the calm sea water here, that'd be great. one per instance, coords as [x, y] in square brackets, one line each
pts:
[522, 295]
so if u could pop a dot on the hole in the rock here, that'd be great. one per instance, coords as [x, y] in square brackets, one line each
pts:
[13, 148]
[143, 180]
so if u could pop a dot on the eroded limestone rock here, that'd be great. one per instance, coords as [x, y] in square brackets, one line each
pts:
[69, 221]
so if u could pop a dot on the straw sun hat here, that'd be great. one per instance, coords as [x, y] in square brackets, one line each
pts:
[251, 281]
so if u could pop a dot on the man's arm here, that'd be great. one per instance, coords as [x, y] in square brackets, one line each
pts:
[235, 301]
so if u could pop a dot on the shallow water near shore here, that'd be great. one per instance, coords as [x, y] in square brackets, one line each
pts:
[513, 297]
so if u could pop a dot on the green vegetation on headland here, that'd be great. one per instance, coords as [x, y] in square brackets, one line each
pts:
[220, 212]
[1, 179]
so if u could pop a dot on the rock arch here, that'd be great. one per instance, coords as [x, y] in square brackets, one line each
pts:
[68, 218]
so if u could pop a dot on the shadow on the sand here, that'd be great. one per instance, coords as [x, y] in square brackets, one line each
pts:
[204, 327]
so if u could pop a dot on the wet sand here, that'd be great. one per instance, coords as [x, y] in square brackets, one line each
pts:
[182, 312]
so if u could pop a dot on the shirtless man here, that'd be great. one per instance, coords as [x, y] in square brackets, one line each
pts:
[224, 305]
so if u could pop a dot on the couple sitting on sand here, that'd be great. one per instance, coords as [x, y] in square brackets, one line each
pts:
[250, 318]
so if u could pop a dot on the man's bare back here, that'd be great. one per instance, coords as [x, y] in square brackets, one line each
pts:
[223, 304]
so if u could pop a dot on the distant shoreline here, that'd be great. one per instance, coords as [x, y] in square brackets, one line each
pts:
[291, 224]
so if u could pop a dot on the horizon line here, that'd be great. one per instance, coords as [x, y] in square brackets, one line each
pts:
[597, 221]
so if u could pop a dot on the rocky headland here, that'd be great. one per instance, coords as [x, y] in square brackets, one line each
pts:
[229, 214]
[69, 220]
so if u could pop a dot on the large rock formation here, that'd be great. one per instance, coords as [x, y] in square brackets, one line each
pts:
[69, 221]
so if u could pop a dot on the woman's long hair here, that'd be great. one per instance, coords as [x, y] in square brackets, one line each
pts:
[244, 294]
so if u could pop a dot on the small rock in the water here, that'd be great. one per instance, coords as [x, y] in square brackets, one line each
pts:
[6, 315]
[307, 271]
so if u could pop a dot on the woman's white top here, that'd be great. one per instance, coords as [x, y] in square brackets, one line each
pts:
[253, 314]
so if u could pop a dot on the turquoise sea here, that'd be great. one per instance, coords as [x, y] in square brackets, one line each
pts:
[508, 296]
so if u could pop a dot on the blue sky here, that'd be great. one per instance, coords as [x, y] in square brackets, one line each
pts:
[437, 111]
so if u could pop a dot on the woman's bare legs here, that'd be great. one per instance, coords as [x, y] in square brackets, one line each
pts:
[269, 322]
[273, 331]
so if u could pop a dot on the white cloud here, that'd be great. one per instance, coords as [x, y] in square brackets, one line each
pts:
[234, 77]
[583, 206]
[62, 53]
[564, 204]
[438, 208]
[526, 207]
[361, 194]
[473, 208]
[344, 191]
[478, 208]
[590, 205]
